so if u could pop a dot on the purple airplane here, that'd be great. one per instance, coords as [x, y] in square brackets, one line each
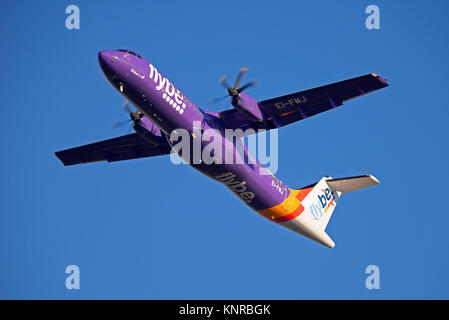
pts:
[162, 110]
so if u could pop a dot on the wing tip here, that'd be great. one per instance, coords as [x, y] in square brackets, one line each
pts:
[374, 179]
[65, 161]
[59, 156]
[381, 79]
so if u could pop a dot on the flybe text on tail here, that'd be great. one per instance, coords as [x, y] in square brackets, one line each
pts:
[325, 201]
[321, 202]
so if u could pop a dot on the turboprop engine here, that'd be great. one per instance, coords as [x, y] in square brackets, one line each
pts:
[248, 106]
[243, 102]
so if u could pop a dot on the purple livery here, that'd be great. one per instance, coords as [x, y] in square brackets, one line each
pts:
[163, 109]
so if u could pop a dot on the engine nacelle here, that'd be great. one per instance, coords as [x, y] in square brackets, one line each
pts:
[149, 131]
[248, 106]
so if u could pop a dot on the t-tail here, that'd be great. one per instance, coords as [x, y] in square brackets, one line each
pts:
[308, 210]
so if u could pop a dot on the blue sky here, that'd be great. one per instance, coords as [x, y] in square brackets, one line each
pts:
[147, 229]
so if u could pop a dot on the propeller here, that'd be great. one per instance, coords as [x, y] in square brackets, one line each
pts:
[120, 123]
[234, 91]
[134, 116]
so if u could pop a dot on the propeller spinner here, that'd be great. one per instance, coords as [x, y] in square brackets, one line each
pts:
[234, 91]
[135, 116]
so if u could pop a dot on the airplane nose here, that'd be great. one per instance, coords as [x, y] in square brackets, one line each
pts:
[113, 67]
[106, 58]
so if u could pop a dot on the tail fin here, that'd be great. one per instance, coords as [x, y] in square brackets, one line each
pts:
[319, 203]
[322, 200]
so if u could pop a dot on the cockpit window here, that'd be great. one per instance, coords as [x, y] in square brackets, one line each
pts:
[135, 53]
[130, 52]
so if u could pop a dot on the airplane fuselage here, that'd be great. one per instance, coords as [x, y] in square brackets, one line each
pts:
[170, 109]
[168, 122]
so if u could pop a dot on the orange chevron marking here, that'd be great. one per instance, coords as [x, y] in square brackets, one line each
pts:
[288, 209]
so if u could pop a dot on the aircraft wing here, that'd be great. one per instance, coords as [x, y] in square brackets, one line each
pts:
[281, 111]
[131, 146]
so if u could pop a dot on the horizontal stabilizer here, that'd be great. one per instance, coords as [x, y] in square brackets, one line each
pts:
[349, 184]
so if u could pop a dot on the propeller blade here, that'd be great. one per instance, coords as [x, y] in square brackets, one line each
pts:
[229, 102]
[217, 99]
[224, 83]
[120, 123]
[126, 107]
[248, 85]
[239, 77]
[234, 92]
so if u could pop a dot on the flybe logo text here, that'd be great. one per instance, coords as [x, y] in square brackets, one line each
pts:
[239, 188]
[172, 95]
[325, 201]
